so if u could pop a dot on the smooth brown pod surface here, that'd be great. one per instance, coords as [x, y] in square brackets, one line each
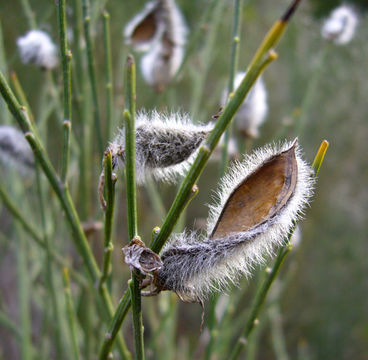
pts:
[259, 196]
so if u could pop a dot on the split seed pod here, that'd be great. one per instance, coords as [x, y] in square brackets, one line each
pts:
[15, 150]
[165, 145]
[259, 201]
[159, 29]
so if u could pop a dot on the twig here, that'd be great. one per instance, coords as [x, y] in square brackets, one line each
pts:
[30, 15]
[108, 72]
[30, 230]
[271, 274]
[66, 57]
[233, 69]
[49, 270]
[70, 314]
[92, 75]
[129, 122]
[109, 213]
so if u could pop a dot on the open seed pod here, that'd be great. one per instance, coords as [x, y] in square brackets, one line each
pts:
[259, 201]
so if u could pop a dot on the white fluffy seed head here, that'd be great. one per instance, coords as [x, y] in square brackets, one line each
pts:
[253, 111]
[36, 47]
[166, 145]
[194, 265]
[340, 26]
[159, 29]
[155, 27]
[15, 150]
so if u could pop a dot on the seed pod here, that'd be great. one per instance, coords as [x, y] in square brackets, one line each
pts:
[36, 47]
[15, 150]
[340, 26]
[259, 201]
[160, 29]
[165, 145]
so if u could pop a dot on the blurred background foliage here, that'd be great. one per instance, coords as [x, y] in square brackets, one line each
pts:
[323, 306]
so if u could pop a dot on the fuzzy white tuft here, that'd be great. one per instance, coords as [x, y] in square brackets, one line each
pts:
[36, 47]
[158, 68]
[149, 10]
[15, 150]
[196, 265]
[253, 111]
[340, 26]
[166, 144]
[165, 46]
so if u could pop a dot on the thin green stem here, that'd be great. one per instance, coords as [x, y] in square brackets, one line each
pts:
[11, 327]
[259, 301]
[271, 274]
[110, 190]
[20, 93]
[30, 15]
[66, 57]
[63, 195]
[187, 188]
[92, 75]
[83, 112]
[30, 230]
[233, 69]
[131, 194]
[70, 314]
[49, 270]
[23, 296]
[108, 72]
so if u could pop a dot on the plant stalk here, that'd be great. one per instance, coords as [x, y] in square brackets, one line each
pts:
[183, 197]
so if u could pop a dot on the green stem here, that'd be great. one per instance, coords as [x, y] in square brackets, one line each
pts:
[20, 93]
[23, 297]
[70, 314]
[108, 72]
[30, 15]
[110, 190]
[49, 270]
[270, 276]
[62, 193]
[66, 57]
[310, 93]
[7, 323]
[233, 69]
[30, 230]
[186, 190]
[83, 112]
[92, 76]
[259, 301]
[131, 194]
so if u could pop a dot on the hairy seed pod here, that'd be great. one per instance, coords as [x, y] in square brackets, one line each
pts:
[340, 26]
[15, 150]
[36, 47]
[259, 201]
[159, 29]
[165, 145]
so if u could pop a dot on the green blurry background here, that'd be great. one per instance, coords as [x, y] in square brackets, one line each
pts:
[324, 305]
